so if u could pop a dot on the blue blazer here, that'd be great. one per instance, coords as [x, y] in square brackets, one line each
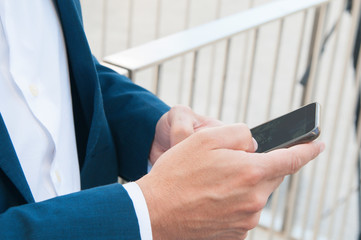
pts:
[115, 122]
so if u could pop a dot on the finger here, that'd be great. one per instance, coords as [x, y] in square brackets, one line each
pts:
[235, 137]
[255, 143]
[284, 162]
[206, 122]
[182, 124]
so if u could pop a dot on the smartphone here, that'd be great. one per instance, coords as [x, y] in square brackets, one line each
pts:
[299, 126]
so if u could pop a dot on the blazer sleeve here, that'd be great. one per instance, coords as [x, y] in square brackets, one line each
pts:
[132, 113]
[104, 212]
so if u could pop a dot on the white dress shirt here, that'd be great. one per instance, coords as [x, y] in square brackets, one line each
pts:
[35, 102]
[35, 97]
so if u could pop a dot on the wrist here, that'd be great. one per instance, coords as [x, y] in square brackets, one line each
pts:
[159, 214]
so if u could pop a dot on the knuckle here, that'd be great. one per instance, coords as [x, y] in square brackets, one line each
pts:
[179, 130]
[182, 108]
[242, 127]
[254, 175]
[245, 136]
[258, 202]
[251, 222]
[295, 163]
[205, 138]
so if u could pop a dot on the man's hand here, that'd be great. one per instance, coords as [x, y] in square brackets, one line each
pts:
[175, 126]
[213, 186]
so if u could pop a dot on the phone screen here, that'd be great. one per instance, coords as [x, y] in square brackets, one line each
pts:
[283, 131]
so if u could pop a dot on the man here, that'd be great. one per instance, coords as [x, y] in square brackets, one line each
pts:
[67, 123]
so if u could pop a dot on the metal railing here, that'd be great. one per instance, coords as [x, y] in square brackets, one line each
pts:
[119, 24]
[247, 67]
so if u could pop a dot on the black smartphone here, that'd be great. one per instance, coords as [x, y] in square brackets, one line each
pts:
[299, 126]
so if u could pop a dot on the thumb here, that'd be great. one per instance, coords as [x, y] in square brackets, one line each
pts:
[283, 162]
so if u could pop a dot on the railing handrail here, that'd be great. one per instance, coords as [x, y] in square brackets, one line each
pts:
[158, 51]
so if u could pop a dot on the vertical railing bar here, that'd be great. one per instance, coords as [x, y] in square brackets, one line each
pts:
[310, 188]
[130, 24]
[351, 40]
[290, 206]
[294, 179]
[276, 195]
[275, 68]
[183, 61]
[357, 152]
[213, 63]
[156, 70]
[243, 76]
[315, 70]
[298, 58]
[308, 199]
[356, 157]
[158, 16]
[345, 143]
[104, 27]
[340, 172]
[131, 75]
[250, 75]
[315, 47]
[358, 135]
[314, 53]
[332, 61]
[312, 46]
[243, 70]
[224, 78]
[358, 69]
[193, 79]
[344, 217]
[274, 208]
[211, 80]
[157, 79]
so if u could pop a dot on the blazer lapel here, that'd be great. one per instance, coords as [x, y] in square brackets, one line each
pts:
[84, 79]
[10, 164]
[79, 54]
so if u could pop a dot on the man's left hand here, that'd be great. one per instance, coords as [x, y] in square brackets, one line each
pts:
[175, 126]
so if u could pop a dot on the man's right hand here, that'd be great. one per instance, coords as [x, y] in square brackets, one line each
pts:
[213, 186]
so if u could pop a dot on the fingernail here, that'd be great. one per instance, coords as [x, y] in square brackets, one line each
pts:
[255, 144]
[322, 147]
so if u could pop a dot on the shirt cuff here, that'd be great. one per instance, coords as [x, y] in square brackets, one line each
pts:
[141, 210]
[149, 166]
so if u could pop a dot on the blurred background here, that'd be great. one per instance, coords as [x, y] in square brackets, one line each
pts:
[250, 61]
